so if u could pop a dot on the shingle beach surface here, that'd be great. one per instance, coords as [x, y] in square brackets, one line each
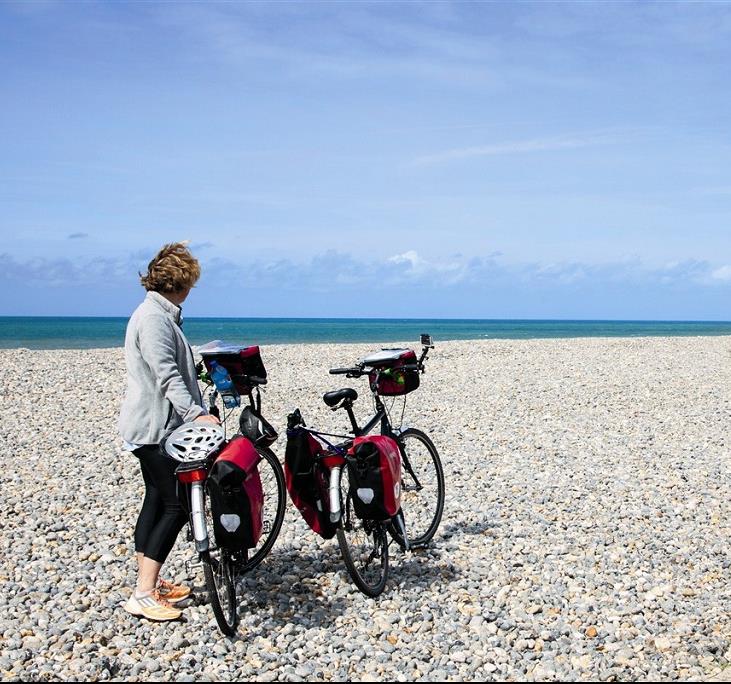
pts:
[585, 533]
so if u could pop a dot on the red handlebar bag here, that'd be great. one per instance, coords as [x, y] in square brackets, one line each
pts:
[236, 495]
[375, 477]
[389, 378]
[306, 483]
[240, 364]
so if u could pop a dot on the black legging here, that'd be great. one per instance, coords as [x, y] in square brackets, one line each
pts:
[162, 517]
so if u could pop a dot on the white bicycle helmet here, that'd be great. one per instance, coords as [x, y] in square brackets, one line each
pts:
[194, 441]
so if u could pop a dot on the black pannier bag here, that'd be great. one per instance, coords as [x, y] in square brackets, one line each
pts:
[236, 496]
[306, 484]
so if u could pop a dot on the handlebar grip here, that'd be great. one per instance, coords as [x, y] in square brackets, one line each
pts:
[342, 371]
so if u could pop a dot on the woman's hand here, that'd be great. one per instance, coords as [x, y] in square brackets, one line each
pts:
[207, 419]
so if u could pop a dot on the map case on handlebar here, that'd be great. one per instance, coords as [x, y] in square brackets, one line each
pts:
[240, 362]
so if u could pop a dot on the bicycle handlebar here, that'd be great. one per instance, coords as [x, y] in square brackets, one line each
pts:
[346, 371]
[361, 370]
[357, 372]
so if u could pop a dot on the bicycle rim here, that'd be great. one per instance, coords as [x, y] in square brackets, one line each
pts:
[364, 547]
[275, 500]
[423, 503]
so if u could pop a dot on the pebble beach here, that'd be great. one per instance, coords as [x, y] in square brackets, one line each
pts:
[585, 534]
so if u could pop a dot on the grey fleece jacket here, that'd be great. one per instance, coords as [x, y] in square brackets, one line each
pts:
[162, 387]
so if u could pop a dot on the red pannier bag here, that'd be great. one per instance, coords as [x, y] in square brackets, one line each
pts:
[236, 495]
[306, 482]
[393, 380]
[240, 362]
[375, 477]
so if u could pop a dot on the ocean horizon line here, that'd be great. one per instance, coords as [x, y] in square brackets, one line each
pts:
[383, 318]
[88, 332]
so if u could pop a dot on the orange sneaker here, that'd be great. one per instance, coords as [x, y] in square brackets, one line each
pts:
[173, 593]
[152, 606]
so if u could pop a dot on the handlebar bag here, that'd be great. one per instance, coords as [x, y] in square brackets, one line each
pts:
[236, 495]
[375, 477]
[392, 380]
[240, 362]
[306, 483]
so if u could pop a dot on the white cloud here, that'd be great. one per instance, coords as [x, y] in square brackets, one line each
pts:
[552, 144]
[331, 268]
[723, 273]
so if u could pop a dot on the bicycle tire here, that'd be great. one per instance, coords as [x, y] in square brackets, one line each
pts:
[219, 573]
[361, 542]
[272, 481]
[423, 506]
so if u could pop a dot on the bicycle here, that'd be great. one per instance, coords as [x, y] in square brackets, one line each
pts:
[363, 542]
[197, 447]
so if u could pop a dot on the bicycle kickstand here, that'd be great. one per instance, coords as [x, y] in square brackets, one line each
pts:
[399, 521]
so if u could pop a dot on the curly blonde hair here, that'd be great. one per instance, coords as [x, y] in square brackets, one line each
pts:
[172, 269]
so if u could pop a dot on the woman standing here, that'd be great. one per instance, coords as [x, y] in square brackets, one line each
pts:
[162, 393]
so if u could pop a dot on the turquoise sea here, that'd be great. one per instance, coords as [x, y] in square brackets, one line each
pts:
[85, 333]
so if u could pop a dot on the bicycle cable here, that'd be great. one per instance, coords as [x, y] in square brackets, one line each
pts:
[322, 435]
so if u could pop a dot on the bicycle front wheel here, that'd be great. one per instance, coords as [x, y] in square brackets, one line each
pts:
[422, 488]
[220, 576]
[275, 501]
[364, 547]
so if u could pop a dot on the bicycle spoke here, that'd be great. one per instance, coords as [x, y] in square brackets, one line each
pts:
[272, 479]
[364, 548]
[422, 488]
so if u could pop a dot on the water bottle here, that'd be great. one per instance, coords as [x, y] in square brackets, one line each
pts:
[224, 385]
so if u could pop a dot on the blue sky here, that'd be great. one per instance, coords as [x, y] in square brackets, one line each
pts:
[547, 160]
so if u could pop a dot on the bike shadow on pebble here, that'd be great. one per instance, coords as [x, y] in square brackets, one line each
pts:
[416, 571]
[297, 588]
[322, 591]
[480, 527]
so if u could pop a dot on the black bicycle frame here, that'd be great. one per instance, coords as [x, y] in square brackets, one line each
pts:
[386, 429]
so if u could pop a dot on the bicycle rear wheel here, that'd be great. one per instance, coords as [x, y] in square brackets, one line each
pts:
[275, 501]
[364, 547]
[219, 573]
[422, 488]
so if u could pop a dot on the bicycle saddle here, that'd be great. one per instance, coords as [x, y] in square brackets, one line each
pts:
[333, 398]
